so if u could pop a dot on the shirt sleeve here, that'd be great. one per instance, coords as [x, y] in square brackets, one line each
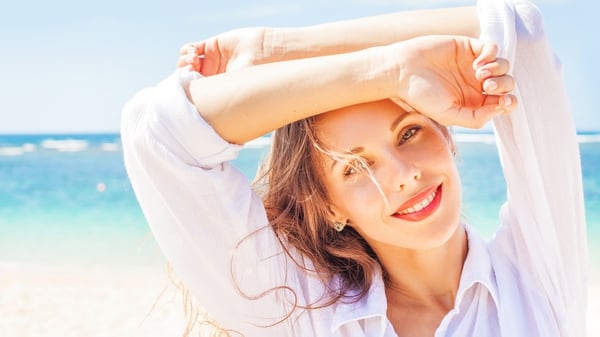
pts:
[203, 213]
[543, 229]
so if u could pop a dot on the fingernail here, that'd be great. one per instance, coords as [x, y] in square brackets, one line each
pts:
[189, 58]
[507, 101]
[491, 85]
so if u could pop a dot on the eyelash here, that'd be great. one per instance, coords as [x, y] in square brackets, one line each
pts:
[411, 132]
[353, 167]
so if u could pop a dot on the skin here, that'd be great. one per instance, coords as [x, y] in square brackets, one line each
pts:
[415, 155]
[245, 47]
[423, 259]
[416, 72]
[450, 79]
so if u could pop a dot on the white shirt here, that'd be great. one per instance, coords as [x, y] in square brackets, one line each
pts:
[529, 280]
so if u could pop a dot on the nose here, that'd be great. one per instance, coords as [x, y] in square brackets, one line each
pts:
[399, 173]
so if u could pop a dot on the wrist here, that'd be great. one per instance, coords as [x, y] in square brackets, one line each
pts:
[383, 70]
[387, 60]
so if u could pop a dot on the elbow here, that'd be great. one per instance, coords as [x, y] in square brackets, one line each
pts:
[132, 121]
[531, 33]
[529, 22]
[132, 112]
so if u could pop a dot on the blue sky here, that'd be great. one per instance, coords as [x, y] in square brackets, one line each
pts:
[69, 66]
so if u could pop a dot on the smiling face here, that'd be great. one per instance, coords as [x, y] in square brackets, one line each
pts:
[409, 197]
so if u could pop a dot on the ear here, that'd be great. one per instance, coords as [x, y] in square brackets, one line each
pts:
[446, 132]
[336, 215]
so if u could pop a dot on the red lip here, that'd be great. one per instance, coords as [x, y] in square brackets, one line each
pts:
[425, 212]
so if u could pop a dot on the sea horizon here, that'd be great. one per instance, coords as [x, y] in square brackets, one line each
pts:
[104, 132]
[66, 197]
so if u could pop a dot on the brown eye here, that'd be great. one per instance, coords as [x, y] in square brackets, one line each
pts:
[349, 170]
[356, 166]
[409, 133]
[352, 168]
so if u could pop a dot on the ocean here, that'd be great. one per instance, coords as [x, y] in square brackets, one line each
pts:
[66, 199]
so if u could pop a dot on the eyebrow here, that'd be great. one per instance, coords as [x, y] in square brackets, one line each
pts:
[354, 151]
[398, 120]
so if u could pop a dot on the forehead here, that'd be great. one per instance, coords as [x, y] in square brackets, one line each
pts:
[352, 126]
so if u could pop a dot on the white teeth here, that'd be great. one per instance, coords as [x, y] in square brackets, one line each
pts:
[420, 205]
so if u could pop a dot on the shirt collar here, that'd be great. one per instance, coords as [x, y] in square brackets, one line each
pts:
[372, 306]
[476, 269]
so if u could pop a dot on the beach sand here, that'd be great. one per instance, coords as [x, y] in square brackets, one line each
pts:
[593, 310]
[79, 301]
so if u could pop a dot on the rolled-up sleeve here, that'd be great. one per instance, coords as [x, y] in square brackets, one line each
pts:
[543, 229]
[200, 208]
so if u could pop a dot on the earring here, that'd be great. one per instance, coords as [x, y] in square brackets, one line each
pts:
[338, 226]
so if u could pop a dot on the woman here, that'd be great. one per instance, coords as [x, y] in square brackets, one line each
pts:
[357, 231]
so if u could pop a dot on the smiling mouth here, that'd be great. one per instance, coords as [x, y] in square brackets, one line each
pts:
[422, 207]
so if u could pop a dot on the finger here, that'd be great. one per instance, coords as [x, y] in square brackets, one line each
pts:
[494, 105]
[488, 54]
[190, 59]
[185, 59]
[498, 85]
[193, 47]
[498, 67]
[497, 105]
[181, 62]
[187, 48]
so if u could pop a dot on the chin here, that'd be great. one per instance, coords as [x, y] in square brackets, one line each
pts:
[443, 224]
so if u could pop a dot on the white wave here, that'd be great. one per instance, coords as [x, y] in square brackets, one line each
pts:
[11, 151]
[258, 143]
[489, 138]
[17, 150]
[594, 138]
[65, 145]
[110, 147]
[28, 147]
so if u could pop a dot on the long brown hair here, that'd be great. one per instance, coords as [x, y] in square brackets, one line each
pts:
[290, 183]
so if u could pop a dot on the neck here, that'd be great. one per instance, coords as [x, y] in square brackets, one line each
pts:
[426, 278]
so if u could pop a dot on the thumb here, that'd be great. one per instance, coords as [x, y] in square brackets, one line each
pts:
[476, 118]
[493, 106]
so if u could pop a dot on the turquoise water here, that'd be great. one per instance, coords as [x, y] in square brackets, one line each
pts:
[67, 199]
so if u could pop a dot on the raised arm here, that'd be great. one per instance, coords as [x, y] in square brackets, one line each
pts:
[201, 208]
[244, 104]
[543, 231]
[258, 45]
[351, 35]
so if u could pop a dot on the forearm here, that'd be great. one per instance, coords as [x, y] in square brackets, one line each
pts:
[246, 104]
[352, 35]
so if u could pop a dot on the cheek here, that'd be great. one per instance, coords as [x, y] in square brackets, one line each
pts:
[432, 150]
[360, 201]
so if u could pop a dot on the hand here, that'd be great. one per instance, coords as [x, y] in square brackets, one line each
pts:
[454, 80]
[228, 51]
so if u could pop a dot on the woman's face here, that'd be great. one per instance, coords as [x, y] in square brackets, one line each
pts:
[411, 167]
